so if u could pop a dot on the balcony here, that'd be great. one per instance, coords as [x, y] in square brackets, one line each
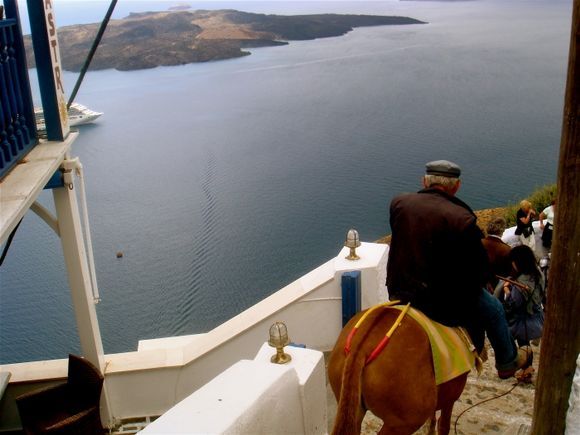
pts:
[17, 123]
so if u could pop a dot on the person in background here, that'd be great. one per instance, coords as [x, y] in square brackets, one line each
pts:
[523, 302]
[524, 228]
[437, 263]
[548, 228]
[497, 250]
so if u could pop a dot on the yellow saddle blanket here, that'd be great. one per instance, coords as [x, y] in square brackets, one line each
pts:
[452, 349]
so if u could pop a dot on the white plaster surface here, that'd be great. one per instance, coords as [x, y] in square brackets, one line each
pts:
[256, 397]
[373, 259]
[22, 185]
[311, 371]
[167, 342]
[248, 397]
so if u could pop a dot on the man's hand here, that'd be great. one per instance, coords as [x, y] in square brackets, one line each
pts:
[506, 288]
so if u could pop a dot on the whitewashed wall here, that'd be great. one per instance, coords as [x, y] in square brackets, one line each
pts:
[255, 397]
[165, 371]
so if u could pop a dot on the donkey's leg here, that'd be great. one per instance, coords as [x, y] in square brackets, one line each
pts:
[444, 423]
[448, 393]
[432, 424]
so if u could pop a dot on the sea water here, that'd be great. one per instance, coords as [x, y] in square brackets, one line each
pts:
[224, 181]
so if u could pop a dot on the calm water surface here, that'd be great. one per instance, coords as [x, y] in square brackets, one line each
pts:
[222, 182]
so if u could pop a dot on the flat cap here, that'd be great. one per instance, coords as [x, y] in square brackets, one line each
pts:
[444, 168]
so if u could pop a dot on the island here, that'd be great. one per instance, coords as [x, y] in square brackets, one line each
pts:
[151, 39]
[180, 7]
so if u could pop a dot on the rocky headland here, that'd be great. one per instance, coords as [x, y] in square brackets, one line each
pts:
[150, 39]
[483, 218]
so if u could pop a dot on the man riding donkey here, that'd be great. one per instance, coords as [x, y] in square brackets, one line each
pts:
[438, 264]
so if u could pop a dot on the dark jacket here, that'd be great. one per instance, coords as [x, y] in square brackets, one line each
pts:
[436, 260]
[522, 228]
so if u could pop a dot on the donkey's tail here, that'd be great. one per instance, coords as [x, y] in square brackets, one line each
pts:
[349, 412]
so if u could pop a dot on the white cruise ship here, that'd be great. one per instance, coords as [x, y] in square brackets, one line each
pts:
[77, 115]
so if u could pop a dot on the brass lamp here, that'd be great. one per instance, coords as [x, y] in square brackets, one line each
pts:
[279, 339]
[352, 241]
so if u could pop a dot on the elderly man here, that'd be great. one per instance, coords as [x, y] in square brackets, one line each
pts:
[438, 263]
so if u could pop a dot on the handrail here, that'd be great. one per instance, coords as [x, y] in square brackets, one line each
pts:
[6, 22]
[17, 122]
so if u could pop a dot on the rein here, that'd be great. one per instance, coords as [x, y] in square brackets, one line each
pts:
[516, 283]
[482, 402]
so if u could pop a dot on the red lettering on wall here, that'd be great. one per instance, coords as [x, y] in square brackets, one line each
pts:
[47, 5]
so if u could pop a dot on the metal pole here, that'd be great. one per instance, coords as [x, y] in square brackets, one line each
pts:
[92, 52]
[561, 335]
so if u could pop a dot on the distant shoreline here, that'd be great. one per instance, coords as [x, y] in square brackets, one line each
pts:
[177, 37]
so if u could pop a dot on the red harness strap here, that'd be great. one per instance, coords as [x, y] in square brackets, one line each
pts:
[383, 343]
[361, 320]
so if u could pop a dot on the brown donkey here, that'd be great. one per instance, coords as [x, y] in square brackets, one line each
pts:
[398, 386]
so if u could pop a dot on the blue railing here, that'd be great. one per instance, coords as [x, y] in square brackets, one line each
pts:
[17, 122]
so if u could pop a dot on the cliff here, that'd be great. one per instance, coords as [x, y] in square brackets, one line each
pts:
[484, 217]
[150, 39]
